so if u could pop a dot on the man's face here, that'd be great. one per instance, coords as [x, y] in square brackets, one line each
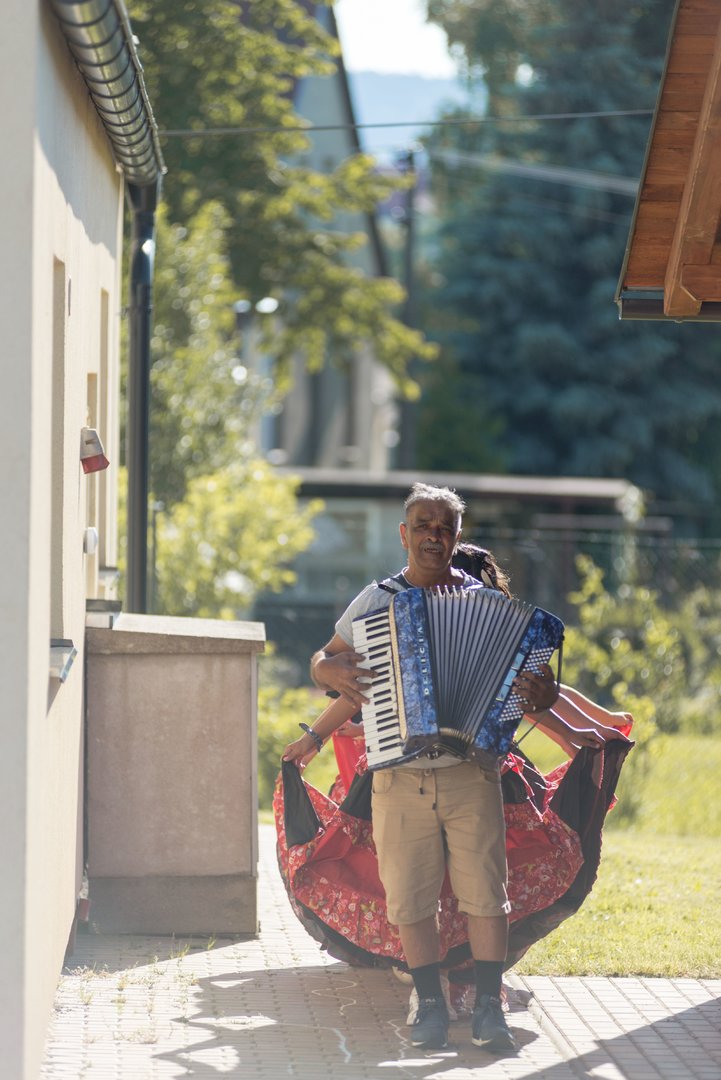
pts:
[429, 534]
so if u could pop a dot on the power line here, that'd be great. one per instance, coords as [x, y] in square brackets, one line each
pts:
[188, 133]
[465, 183]
[555, 174]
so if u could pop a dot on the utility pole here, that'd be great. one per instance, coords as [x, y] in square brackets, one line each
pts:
[406, 456]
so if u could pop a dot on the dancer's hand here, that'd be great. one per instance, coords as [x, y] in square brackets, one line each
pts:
[610, 733]
[300, 752]
[586, 737]
[350, 730]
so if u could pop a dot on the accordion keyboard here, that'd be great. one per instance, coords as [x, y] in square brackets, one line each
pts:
[372, 638]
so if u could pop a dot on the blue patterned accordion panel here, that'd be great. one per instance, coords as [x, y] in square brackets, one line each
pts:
[445, 661]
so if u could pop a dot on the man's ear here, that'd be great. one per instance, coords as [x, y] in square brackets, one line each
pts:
[402, 529]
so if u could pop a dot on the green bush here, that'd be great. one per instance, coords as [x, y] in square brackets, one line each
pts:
[699, 622]
[280, 710]
[630, 651]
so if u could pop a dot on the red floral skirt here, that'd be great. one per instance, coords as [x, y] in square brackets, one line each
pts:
[328, 861]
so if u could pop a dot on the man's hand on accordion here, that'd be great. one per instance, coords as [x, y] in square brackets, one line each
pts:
[538, 691]
[344, 673]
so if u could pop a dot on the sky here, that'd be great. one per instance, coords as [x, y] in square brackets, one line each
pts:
[392, 36]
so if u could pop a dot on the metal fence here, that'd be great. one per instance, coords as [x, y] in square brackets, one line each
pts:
[543, 570]
[543, 565]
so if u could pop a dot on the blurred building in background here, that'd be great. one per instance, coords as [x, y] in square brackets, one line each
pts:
[536, 527]
[344, 416]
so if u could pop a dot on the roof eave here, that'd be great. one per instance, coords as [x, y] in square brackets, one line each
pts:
[100, 38]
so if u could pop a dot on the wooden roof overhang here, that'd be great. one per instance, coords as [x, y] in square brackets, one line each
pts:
[672, 266]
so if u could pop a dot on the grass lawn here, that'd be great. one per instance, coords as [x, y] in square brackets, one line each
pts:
[652, 912]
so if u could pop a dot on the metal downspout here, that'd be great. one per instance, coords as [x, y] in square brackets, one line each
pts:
[100, 37]
[142, 202]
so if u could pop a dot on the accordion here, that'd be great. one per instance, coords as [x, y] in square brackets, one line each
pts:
[445, 661]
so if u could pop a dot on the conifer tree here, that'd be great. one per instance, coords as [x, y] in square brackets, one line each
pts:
[530, 267]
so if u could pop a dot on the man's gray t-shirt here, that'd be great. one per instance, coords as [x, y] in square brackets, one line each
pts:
[376, 598]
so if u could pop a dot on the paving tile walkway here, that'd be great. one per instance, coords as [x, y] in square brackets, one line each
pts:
[139, 1008]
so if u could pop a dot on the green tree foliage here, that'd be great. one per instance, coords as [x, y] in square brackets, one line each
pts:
[529, 268]
[200, 414]
[226, 525]
[625, 649]
[235, 532]
[232, 65]
[661, 662]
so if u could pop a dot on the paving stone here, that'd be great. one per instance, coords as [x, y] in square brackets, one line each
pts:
[151, 1008]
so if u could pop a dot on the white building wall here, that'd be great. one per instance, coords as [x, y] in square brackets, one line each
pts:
[15, 384]
[61, 207]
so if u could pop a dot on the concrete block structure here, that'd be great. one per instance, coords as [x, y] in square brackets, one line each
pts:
[172, 793]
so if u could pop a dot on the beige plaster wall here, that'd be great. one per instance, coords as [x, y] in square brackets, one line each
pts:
[61, 210]
[15, 379]
[172, 795]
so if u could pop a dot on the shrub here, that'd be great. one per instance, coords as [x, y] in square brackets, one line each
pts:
[280, 710]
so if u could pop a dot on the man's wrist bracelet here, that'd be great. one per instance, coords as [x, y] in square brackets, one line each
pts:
[314, 736]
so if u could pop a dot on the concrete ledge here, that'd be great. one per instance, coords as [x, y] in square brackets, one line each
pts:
[175, 635]
[184, 906]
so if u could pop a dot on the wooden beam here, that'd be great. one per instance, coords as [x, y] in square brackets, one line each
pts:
[700, 209]
[703, 283]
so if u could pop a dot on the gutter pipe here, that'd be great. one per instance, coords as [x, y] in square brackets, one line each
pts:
[635, 308]
[100, 37]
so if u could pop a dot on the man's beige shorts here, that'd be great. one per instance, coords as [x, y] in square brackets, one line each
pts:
[425, 819]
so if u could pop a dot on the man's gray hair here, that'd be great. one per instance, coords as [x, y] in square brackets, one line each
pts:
[429, 492]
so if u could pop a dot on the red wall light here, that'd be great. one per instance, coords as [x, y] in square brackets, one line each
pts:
[92, 455]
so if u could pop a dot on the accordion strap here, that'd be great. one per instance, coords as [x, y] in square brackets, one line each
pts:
[398, 579]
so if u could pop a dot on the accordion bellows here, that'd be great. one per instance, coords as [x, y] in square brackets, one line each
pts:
[445, 662]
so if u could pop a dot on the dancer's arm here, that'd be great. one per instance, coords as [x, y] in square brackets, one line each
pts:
[303, 749]
[555, 733]
[591, 710]
[568, 737]
[571, 726]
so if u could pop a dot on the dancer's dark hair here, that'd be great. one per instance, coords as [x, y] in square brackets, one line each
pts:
[481, 564]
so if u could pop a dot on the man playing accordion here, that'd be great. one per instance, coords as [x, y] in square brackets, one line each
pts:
[437, 811]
